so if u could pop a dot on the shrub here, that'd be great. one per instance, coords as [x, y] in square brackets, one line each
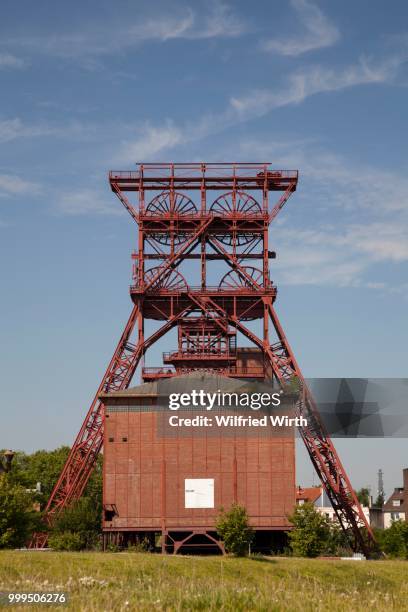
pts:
[234, 529]
[139, 547]
[363, 496]
[311, 533]
[337, 542]
[81, 519]
[67, 540]
[394, 540]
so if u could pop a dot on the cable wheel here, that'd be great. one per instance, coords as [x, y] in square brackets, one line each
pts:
[170, 280]
[160, 207]
[241, 238]
[244, 204]
[234, 280]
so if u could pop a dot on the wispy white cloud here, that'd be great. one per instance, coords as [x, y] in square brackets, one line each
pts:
[374, 241]
[337, 184]
[7, 60]
[381, 241]
[312, 81]
[218, 21]
[150, 141]
[356, 219]
[15, 185]
[345, 256]
[86, 202]
[319, 32]
[15, 128]
[315, 265]
[11, 129]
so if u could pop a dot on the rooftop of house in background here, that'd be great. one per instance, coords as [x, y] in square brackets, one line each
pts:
[399, 497]
[396, 506]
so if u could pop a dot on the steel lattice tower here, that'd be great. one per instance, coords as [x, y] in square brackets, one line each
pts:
[203, 213]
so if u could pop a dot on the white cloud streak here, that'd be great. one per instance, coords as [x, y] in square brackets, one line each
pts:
[319, 32]
[150, 141]
[11, 129]
[86, 202]
[313, 81]
[16, 128]
[7, 60]
[345, 257]
[336, 183]
[153, 140]
[96, 41]
[15, 185]
[357, 220]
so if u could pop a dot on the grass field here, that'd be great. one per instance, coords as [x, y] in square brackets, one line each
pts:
[136, 581]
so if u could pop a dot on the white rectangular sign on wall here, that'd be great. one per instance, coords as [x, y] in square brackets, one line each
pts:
[199, 493]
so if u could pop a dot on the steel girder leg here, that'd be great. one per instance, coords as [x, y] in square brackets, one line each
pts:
[88, 443]
[318, 443]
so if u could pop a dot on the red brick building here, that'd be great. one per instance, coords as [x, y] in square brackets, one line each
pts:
[173, 486]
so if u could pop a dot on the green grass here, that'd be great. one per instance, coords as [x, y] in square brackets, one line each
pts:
[135, 581]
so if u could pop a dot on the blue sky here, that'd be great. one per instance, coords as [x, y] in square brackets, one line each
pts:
[90, 86]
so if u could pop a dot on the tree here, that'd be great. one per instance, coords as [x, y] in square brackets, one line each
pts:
[234, 529]
[45, 467]
[93, 489]
[77, 527]
[16, 513]
[42, 466]
[394, 540]
[379, 502]
[363, 496]
[311, 533]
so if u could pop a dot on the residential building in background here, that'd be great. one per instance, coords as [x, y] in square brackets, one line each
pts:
[396, 507]
[318, 496]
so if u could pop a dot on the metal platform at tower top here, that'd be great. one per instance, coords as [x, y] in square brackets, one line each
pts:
[209, 175]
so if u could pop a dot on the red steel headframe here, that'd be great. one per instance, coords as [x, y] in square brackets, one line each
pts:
[174, 228]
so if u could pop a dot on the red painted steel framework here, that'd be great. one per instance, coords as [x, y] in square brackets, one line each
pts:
[191, 215]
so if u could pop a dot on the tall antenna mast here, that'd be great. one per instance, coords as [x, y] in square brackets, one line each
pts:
[380, 487]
